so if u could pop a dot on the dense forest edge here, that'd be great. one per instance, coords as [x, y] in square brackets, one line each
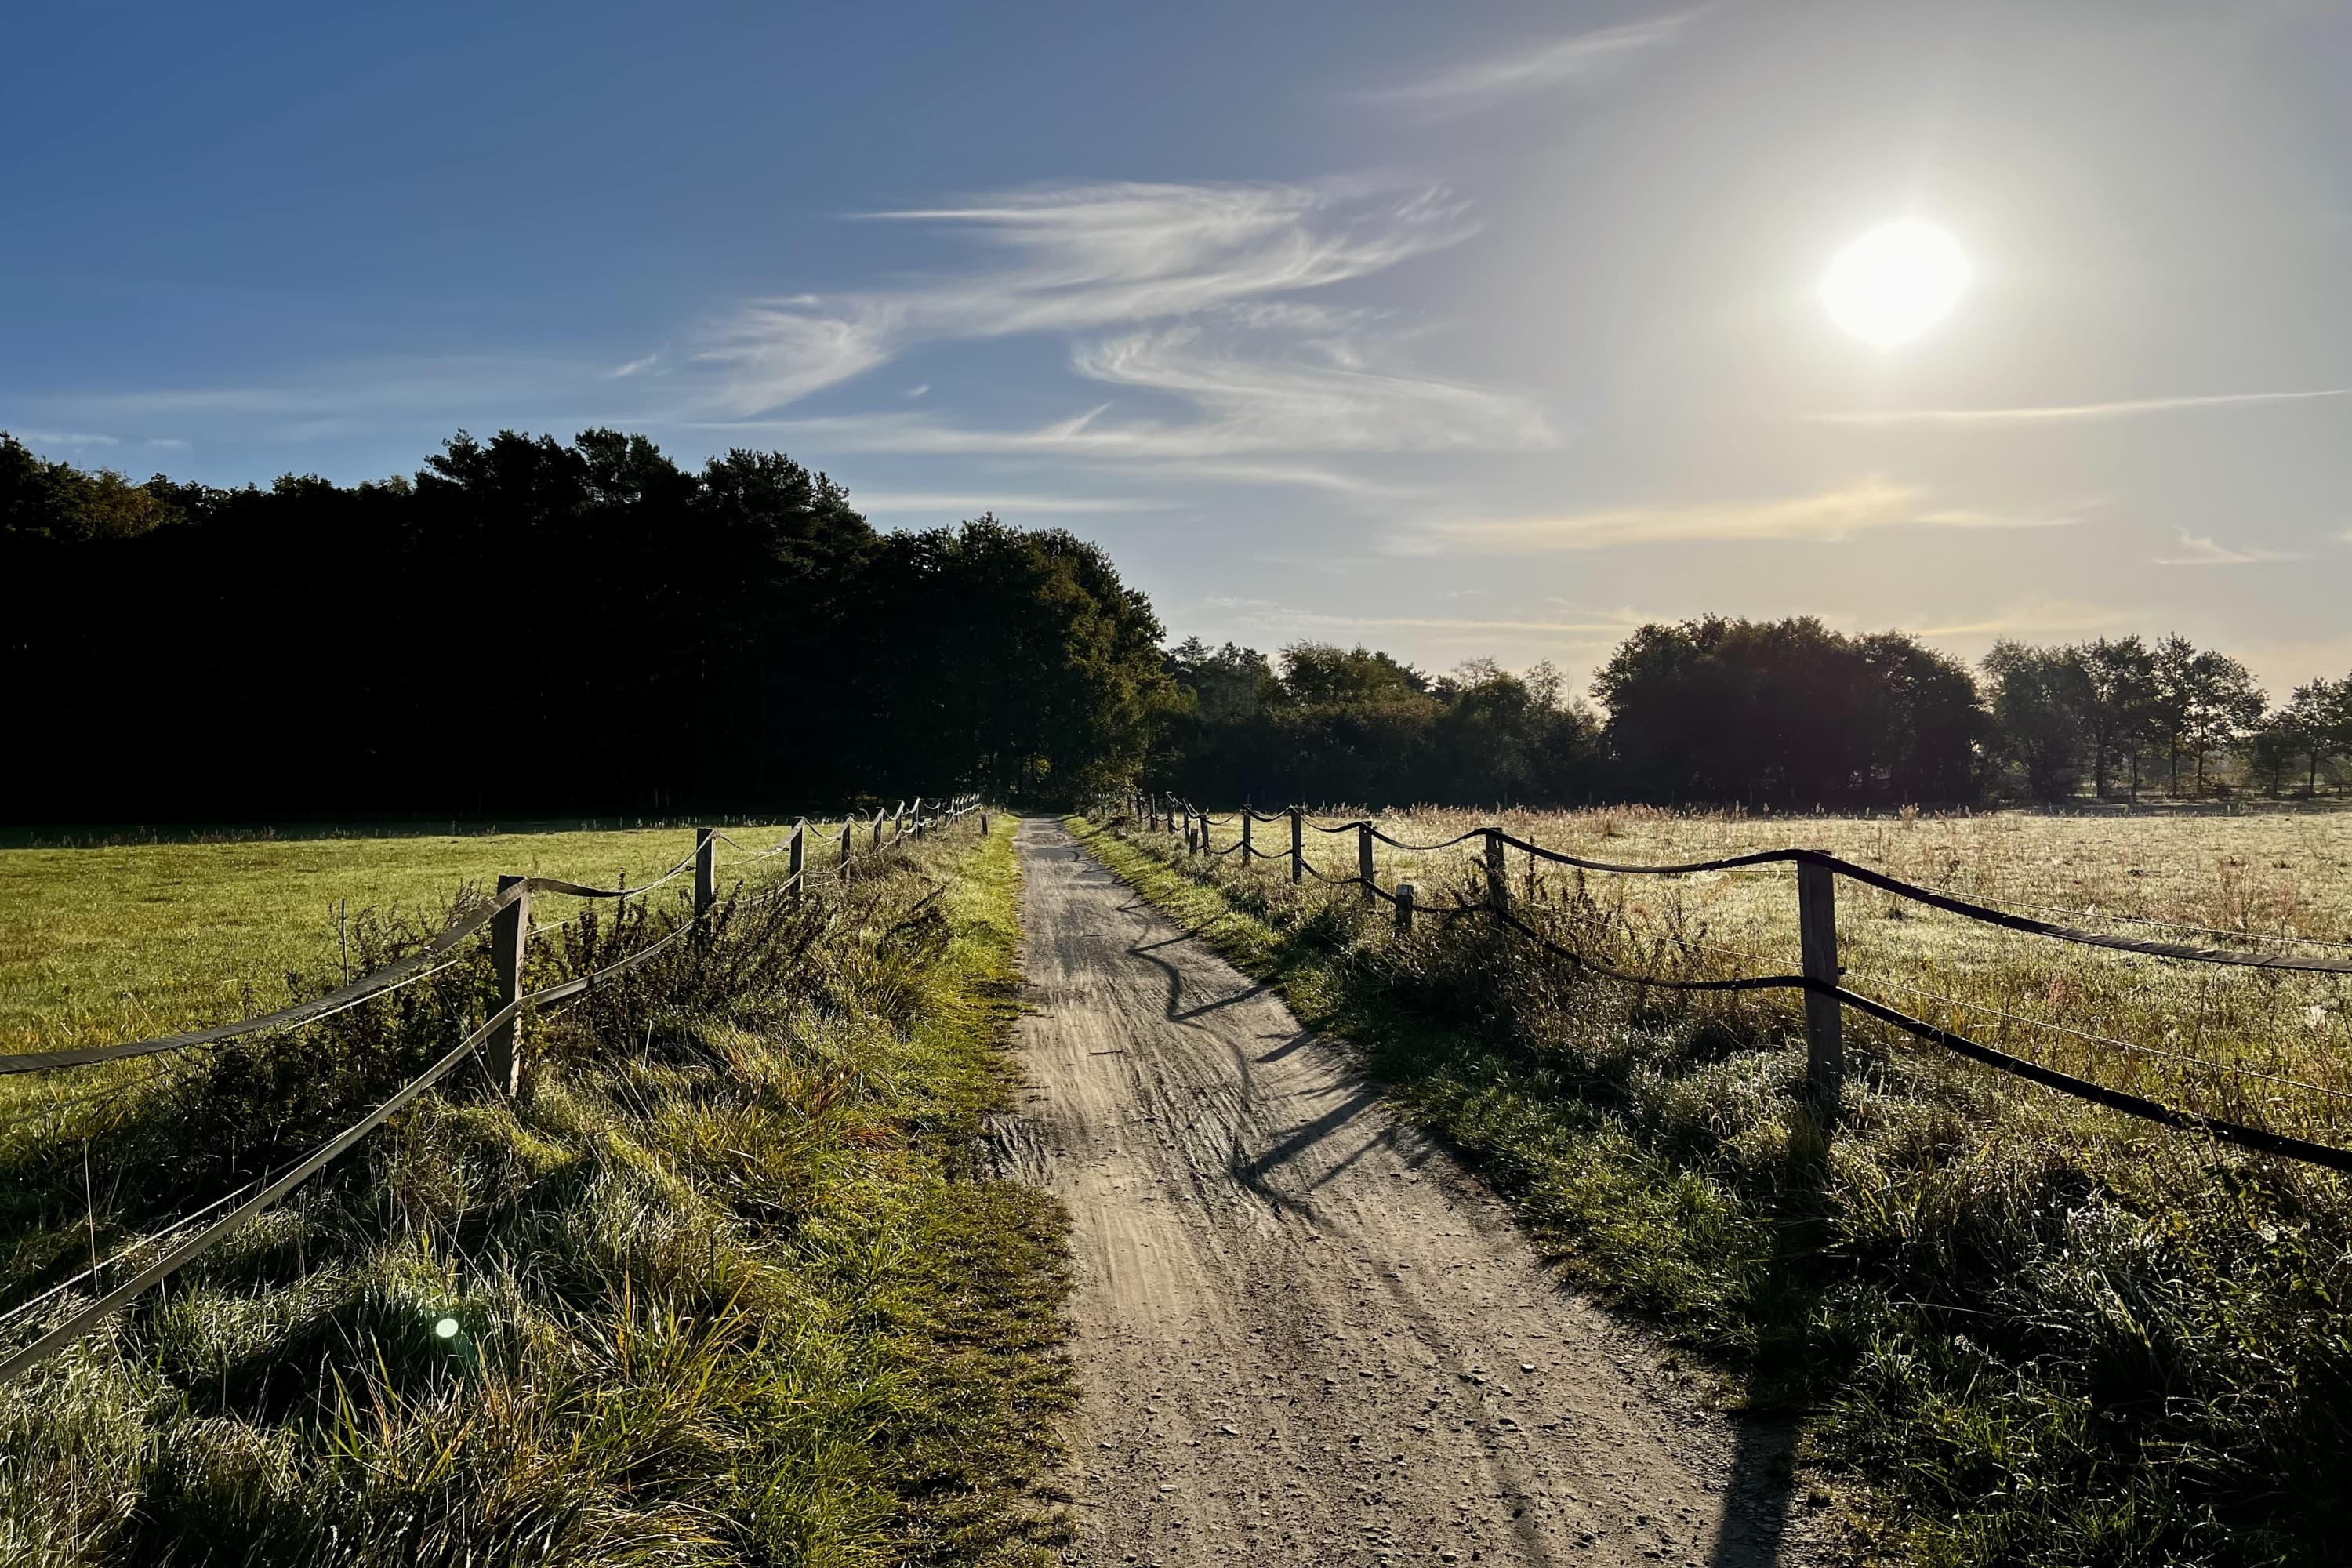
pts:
[527, 626]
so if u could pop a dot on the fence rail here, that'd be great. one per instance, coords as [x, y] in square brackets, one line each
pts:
[498, 1039]
[1820, 978]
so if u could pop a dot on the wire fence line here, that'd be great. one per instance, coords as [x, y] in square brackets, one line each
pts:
[1820, 979]
[494, 1042]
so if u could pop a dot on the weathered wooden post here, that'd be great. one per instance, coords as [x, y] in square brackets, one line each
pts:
[1249, 848]
[1364, 872]
[1498, 891]
[796, 858]
[509, 935]
[1298, 844]
[1404, 909]
[706, 871]
[879, 816]
[1817, 937]
[845, 845]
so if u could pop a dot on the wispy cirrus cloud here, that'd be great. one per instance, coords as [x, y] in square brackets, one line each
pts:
[2061, 414]
[66, 438]
[1249, 383]
[2201, 549]
[1471, 85]
[1075, 258]
[2039, 616]
[1822, 517]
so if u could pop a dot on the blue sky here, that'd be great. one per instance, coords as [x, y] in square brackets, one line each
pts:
[1457, 329]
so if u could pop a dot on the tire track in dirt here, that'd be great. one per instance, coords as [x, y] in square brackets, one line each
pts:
[1302, 1331]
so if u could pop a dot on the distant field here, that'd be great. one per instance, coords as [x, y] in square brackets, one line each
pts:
[123, 941]
[2217, 1040]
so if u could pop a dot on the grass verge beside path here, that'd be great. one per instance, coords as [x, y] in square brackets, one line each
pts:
[2037, 1334]
[730, 1289]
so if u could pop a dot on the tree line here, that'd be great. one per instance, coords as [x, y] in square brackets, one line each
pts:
[1783, 715]
[531, 628]
[527, 627]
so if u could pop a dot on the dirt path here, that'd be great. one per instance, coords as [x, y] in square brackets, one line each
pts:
[1303, 1334]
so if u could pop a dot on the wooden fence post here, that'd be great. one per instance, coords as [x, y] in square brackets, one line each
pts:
[797, 856]
[1498, 891]
[706, 871]
[1248, 848]
[1364, 871]
[1817, 936]
[878, 816]
[1298, 844]
[845, 845]
[1404, 908]
[509, 935]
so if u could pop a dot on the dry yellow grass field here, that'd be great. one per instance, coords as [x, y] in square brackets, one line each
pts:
[2271, 1048]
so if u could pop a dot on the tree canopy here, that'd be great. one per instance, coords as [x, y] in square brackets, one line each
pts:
[533, 628]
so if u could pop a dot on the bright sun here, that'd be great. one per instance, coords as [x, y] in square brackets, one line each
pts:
[1894, 283]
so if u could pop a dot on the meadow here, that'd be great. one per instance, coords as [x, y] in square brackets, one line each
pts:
[2268, 1047]
[2027, 1329]
[108, 940]
[728, 1288]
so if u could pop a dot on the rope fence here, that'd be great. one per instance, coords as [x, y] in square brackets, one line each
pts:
[496, 1041]
[1820, 978]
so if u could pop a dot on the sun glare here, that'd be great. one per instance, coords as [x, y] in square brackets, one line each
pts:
[1894, 283]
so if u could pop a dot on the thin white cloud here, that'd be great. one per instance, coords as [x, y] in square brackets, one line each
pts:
[1265, 378]
[66, 438]
[1474, 85]
[932, 504]
[619, 372]
[918, 389]
[771, 353]
[1826, 515]
[2041, 616]
[1245, 471]
[1079, 257]
[2199, 550]
[1318, 395]
[2060, 414]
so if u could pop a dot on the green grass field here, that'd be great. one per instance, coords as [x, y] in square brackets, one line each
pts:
[2035, 1331]
[728, 1289]
[126, 941]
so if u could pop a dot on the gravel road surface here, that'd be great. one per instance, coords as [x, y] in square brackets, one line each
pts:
[1304, 1334]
